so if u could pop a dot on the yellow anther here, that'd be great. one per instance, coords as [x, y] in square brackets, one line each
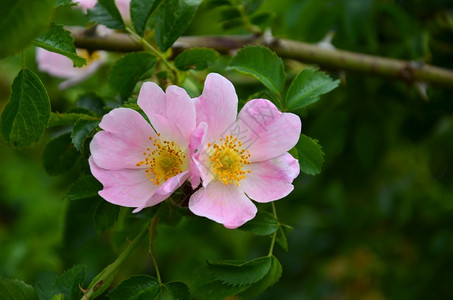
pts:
[164, 161]
[228, 159]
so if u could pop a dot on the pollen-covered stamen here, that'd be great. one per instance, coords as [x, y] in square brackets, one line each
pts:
[165, 160]
[228, 159]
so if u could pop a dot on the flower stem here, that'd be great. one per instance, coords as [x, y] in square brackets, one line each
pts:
[154, 51]
[274, 236]
[102, 281]
[152, 231]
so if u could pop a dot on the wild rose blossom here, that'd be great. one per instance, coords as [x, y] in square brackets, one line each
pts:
[240, 158]
[139, 165]
[62, 67]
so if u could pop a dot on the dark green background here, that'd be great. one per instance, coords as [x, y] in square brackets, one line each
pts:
[377, 223]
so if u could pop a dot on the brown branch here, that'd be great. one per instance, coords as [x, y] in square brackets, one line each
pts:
[407, 71]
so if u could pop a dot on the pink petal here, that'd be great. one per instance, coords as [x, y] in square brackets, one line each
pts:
[225, 204]
[124, 140]
[169, 186]
[171, 114]
[126, 187]
[197, 141]
[265, 131]
[217, 106]
[86, 4]
[271, 180]
[123, 7]
[55, 64]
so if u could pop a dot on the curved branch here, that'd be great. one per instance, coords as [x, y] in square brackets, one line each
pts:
[407, 71]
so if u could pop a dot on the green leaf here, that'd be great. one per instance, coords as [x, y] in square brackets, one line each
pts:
[81, 131]
[196, 58]
[128, 70]
[264, 223]
[59, 155]
[27, 113]
[273, 275]
[216, 290]
[14, 289]
[20, 22]
[105, 216]
[106, 13]
[58, 297]
[92, 102]
[68, 283]
[281, 236]
[85, 187]
[239, 272]
[311, 156]
[178, 290]
[263, 64]
[172, 19]
[60, 3]
[57, 39]
[306, 88]
[141, 10]
[138, 287]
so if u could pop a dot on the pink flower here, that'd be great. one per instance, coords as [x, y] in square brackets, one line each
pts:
[139, 165]
[241, 158]
[62, 67]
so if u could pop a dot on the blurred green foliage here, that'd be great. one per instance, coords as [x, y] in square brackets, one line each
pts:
[377, 222]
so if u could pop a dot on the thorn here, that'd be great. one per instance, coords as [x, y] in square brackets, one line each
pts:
[421, 87]
[84, 291]
[326, 42]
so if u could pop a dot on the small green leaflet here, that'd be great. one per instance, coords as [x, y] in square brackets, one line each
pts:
[136, 287]
[240, 273]
[263, 64]
[272, 276]
[57, 39]
[27, 113]
[177, 290]
[141, 10]
[222, 279]
[311, 156]
[68, 283]
[14, 289]
[196, 58]
[307, 87]
[85, 187]
[106, 13]
[264, 223]
[128, 70]
[81, 131]
[172, 19]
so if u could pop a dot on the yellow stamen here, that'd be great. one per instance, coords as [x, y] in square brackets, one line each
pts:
[89, 56]
[228, 159]
[165, 160]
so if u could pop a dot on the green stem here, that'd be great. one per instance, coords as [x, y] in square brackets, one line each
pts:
[274, 236]
[102, 281]
[154, 51]
[152, 231]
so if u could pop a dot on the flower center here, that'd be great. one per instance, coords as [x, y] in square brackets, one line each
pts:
[164, 161]
[228, 159]
[89, 56]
